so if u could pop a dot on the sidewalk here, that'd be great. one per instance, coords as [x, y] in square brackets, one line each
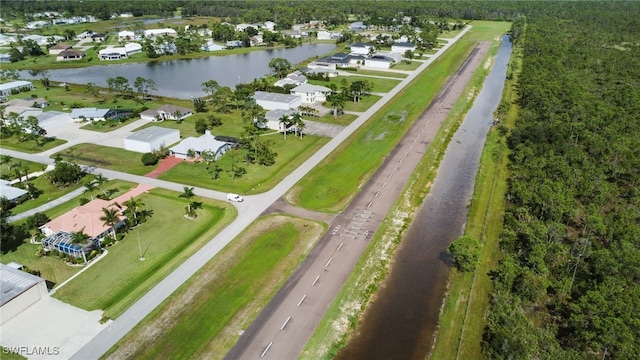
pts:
[166, 164]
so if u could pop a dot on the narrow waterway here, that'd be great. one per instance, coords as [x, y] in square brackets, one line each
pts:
[401, 322]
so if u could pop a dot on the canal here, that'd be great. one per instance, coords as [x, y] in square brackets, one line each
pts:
[401, 322]
[183, 78]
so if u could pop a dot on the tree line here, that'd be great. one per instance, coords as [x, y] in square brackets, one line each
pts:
[567, 286]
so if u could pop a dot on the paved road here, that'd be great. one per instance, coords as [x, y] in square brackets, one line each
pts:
[285, 325]
[249, 210]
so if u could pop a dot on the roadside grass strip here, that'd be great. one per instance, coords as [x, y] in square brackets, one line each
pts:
[205, 316]
[379, 85]
[167, 239]
[30, 146]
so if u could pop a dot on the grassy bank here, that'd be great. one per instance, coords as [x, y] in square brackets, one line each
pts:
[167, 239]
[342, 316]
[204, 317]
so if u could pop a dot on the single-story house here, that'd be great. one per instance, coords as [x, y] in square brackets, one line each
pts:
[269, 25]
[84, 35]
[316, 24]
[257, 40]
[166, 48]
[95, 114]
[123, 52]
[5, 58]
[58, 48]
[153, 33]
[151, 139]
[321, 70]
[338, 60]
[96, 37]
[205, 142]
[7, 89]
[86, 218]
[272, 101]
[166, 112]
[272, 119]
[395, 57]
[19, 291]
[211, 46]
[126, 35]
[311, 93]
[361, 48]
[233, 44]
[70, 55]
[323, 35]
[402, 47]
[295, 78]
[11, 193]
[357, 26]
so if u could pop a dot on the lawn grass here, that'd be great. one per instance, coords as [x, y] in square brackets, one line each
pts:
[49, 192]
[365, 103]
[377, 73]
[343, 314]
[8, 169]
[291, 153]
[107, 157]
[407, 66]
[378, 84]
[203, 318]
[232, 124]
[344, 119]
[331, 185]
[167, 239]
[30, 146]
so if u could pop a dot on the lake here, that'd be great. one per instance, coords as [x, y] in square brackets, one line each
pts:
[183, 78]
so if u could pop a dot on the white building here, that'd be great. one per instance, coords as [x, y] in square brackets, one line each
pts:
[324, 35]
[211, 46]
[272, 119]
[126, 35]
[311, 93]
[151, 139]
[18, 85]
[154, 33]
[166, 112]
[402, 47]
[272, 101]
[197, 146]
[19, 291]
[295, 78]
[117, 53]
[58, 48]
[361, 48]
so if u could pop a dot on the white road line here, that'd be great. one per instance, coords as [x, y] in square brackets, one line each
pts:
[285, 323]
[267, 349]
[316, 280]
[301, 300]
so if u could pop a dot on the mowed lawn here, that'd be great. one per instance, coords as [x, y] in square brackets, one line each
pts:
[291, 153]
[379, 73]
[107, 157]
[232, 124]
[330, 186]
[167, 239]
[203, 318]
[29, 147]
[379, 85]
[365, 102]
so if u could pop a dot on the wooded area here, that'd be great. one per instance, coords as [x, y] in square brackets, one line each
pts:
[567, 287]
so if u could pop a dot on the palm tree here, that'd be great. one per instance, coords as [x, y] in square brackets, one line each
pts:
[336, 101]
[80, 238]
[187, 194]
[133, 207]
[284, 122]
[90, 187]
[111, 219]
[100, 180]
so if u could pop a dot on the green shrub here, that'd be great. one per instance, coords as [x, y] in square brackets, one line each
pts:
[149, 159]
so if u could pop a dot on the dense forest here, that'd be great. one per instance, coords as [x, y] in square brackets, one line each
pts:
[567, 287]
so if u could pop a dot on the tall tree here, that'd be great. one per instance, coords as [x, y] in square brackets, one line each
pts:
[110, 218]
[188, 194]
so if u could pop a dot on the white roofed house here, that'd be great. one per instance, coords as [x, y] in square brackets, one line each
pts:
[166, 112]
[272, 101]
[295, 78]
[402, 47]
[311, 93]
[95, 114]
[272, 119]
[114, 53]
[193, 147]
[379, 61]
[20, 290]
[154, 33]
[323, 35]
[211, 46]
[126, 35]
[361, 48]
[11, 193]
[17, 86]
[132, 48]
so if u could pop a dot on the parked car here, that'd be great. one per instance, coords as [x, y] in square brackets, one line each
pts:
[235, 197]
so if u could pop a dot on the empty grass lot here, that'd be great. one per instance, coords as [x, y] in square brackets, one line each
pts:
[379, 85]
[232, 124]
[407, 66]
[390, 74]
[49, 192]
[362, 105]
[29, 147]
[203, 318]
[291, 153]
[52, 268]
[167, 239]
[107, 157]
[344, 119]
[8, 169]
